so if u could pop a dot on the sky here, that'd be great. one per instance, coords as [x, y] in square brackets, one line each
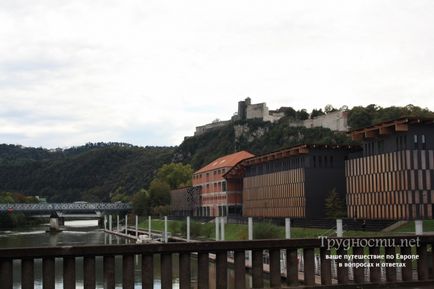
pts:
[146, 72]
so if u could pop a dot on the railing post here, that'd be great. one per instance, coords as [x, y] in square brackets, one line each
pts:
[275, 274]
[390, 271]
[166, 271]
[432, 260]
[27, 274]
[147, 271]
[257, 269]
[342, 271]
[109, 272]
[126, 224]
[250, 237]
[88, 272]
[184, 271]
[309, 266]
[221, 270]
[203, 270]
[6, 276]
[326, 268]
[407, 271]
[68, 272]
[422, 263]
[374, 271]
[359, 273]
[291, 266]
[240, 269]
[128, 271]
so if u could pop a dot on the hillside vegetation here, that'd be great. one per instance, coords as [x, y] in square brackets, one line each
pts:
[94, 172]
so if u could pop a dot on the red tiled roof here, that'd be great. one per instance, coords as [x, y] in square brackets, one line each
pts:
[226, 161]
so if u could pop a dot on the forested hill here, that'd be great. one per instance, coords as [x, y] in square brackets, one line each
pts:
[94, 172]
[252, 135]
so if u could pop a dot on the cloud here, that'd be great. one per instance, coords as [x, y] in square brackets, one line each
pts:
[148, 72]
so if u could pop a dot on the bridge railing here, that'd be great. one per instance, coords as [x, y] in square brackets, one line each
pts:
[310, 248]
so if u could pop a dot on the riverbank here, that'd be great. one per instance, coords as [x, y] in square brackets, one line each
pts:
[266, 230]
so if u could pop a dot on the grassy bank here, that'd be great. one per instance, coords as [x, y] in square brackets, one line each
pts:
[263, 230]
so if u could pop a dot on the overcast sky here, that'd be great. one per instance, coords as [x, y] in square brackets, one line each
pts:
[147, 72]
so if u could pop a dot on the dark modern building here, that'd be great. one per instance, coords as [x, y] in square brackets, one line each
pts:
[185, 201]
[394, 177]
[292, 182]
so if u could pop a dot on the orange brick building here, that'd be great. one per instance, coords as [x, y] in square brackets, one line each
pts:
[218, 196]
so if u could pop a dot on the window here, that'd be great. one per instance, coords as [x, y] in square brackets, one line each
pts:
[223, 186]
[416, 146]
[423, 141]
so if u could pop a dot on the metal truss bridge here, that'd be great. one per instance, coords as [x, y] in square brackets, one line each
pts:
[78, 208]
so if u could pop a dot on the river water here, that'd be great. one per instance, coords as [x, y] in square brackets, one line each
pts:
[87, 233]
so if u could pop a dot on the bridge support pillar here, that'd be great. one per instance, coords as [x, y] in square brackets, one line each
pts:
[54, 224]
[101, 222]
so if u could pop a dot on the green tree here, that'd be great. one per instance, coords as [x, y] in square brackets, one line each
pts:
[302, 114]
[7, 198]
[329, 108]
[141, 203]
[316, 112]
[176, 175]
[334, 206]
[159, 193]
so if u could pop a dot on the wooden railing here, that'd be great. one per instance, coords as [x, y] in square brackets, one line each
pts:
[309, 247]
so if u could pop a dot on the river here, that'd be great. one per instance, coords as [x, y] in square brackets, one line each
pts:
[87, 233]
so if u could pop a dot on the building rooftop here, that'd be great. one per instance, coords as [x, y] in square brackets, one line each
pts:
[226, 161]
[297, 150]
[388, 127]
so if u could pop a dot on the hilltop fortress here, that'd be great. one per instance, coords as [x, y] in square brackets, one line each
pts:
[336, 120]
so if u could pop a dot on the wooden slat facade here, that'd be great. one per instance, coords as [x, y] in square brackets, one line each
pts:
[395, 185]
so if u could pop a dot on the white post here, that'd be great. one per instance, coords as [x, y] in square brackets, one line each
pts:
[105, 222]
[165, 229]
[418, 227]
[188, 228]
[110, 222]
[222, 233]
[250, 228]
[137, 226]
[250, 235]
[339, 230]
[117, 222]
[287, 228]
[149, 226]
[217, 237]
[126, 224]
